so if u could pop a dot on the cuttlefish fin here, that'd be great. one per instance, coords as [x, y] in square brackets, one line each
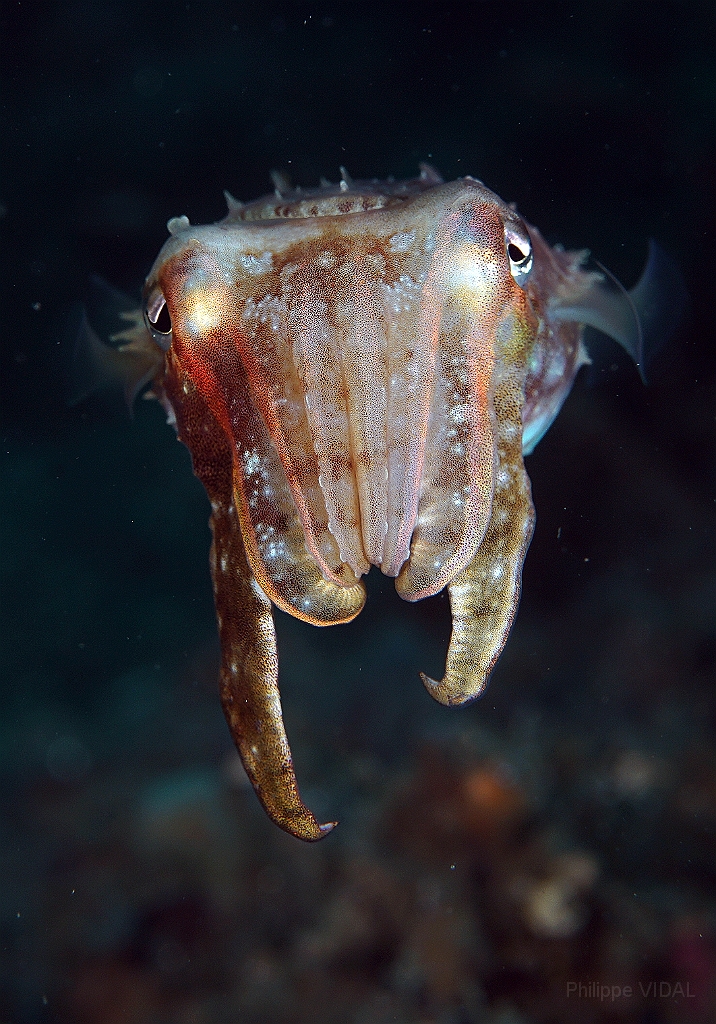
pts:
[130, 360]
[643, 319]
[661, 302]
[96, 365]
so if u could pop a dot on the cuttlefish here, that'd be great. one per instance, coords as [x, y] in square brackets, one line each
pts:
[358, 371]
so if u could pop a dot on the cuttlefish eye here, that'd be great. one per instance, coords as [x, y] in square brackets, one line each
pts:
[519, 253]
[158, 321]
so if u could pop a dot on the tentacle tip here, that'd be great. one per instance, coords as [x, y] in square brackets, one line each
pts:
[450, 693]
[308, 829]
[428, 683]
[435, 689]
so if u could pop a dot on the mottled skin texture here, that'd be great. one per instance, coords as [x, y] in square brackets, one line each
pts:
[356, 371]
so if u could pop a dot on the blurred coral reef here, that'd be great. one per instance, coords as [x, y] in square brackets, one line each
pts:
[477, 880]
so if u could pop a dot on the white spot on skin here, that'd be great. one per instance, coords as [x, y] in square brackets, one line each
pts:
[459, 413]
[402, 241]
[256, 265]
[267, 310]
[252, 463]
[402, 294]
[326, 260]
[271, 548]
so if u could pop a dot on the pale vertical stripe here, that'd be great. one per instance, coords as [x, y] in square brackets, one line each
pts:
[320, 369]
[365, 374]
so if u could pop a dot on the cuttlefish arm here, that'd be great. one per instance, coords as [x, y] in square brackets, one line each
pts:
[248, 676]
[484, 596]
[248, 681]
[565, 298]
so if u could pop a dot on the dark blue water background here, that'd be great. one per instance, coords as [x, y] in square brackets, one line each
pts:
[140, 880]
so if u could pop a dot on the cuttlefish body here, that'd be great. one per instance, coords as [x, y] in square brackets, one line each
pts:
[357, 371]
